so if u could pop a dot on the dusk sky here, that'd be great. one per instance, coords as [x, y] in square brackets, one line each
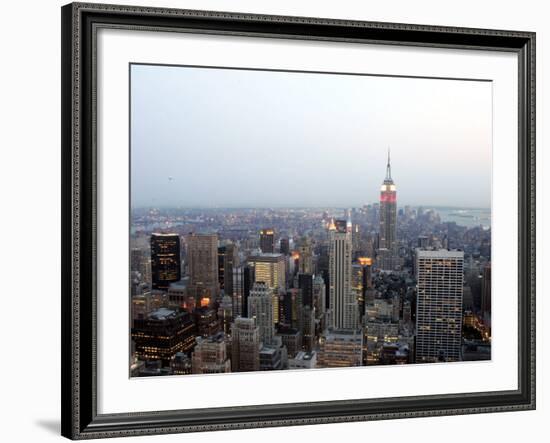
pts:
[239, 138]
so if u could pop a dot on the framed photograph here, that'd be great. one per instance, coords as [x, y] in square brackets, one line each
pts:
[274, 221]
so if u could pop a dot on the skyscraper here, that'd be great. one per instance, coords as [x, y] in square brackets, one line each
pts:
[227, 260]
[267, 240]
[245, 345]
[307, 320]
[165, 260]
[305, 261]
[284, 247]
[439, 275]
[202, 256]
[270, 269]
[260, 307]
[243, 279]
[343, 306]
[388, 221]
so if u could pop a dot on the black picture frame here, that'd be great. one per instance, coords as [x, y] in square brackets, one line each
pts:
[79, 174]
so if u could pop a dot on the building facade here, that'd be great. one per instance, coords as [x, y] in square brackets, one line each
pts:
[210, 356]
[343, 305]
[165, 260]
[260, 307]
[202, 258]
[267, 240]
[245, 345]
[440, 275]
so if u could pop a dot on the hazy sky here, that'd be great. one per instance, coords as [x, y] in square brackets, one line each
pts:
[241, 138]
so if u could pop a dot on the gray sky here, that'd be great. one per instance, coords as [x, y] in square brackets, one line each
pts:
[240, 138]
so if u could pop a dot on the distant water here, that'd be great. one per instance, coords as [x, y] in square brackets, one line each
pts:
[467, 217]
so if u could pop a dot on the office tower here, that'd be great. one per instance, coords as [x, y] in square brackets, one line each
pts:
[486, 294]
[291, 338]
[340, 349]
[140, 262]
[361, 282]
[267, 241]
[305, 260]
[260, 307]
[305, 284]
[307, 320]
[245, 345]
[202, 257]
[288, 310]
[243, 279]
[225, 314]
[439, 275]
[210, 355]
[284, 247]
[162, 334]
[388, 222]
[165, 260]
[227, 260]
[270, 269]
[206, 321]
[319, 296]
[343, 306]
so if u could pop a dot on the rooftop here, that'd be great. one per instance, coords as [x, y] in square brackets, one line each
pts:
[162, 314]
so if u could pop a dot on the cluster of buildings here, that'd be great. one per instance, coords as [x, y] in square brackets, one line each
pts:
[333, 292]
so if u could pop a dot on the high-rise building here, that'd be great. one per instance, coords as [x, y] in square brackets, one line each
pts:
[340, 349]
[284, 246]
[162, 334]
[270, 269]
[307, 320]
[243, 279]
[388, 221]
[319, 296]
[343, 306]
[245, 345]
[202, 257]
[227, 261]
[267, 240]
[292, 339]
[305, 260]
[207, 321]
[260, 307]
[439, 275]
[210, 355]
[165, 260]
[225, 314]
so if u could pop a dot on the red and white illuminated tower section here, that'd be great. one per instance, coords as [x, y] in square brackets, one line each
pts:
[388, 212]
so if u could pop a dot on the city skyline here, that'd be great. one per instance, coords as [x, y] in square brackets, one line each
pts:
[219, 291]
[322, 156]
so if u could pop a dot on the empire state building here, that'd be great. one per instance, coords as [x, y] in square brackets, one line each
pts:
[388, 214]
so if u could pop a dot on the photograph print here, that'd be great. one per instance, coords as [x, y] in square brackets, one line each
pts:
[292, 220]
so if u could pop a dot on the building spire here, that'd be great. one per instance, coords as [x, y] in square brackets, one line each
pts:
[388, 167]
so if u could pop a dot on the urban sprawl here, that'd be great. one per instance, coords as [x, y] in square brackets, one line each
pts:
[234, 290]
